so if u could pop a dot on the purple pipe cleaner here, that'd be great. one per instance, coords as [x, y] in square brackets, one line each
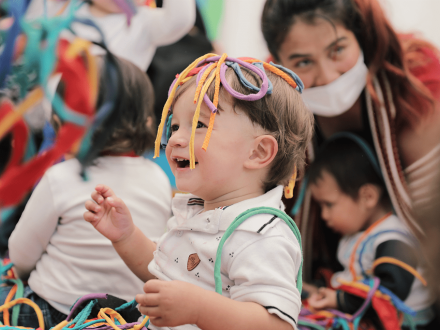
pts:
[367, 301]
[89, 296]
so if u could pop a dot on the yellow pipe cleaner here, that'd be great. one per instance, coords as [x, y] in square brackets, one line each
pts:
[103, 314]
[401, 264]
[202, 81]
[192, 161]
[75, 48]
[364, 287]
[170, 99]
[142, 324]
[27, 302]
[10, 119]
[288, 190]
[214, 102]
[60, 325]
[92, 74]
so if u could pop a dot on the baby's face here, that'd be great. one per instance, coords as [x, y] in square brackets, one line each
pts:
[340, 211]
[219, 170]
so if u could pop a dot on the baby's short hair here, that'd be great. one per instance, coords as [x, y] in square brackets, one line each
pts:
[282, 114]
[350, 165]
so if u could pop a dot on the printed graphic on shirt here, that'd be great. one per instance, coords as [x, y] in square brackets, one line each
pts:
[193, 262]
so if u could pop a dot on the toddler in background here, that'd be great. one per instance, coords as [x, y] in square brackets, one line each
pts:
[61, 255]
[254, 148]
[346, 181]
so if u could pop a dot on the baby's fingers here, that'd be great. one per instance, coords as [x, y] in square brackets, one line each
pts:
[105, 191]
[92, 206]
[118, 204]
[90, 217]
[97, 197]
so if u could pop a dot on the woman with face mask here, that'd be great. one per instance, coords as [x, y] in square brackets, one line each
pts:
[361, 77]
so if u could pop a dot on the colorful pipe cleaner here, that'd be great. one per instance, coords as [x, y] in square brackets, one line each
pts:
[33, 52]
[88, 312]
[211, 68]
[390, 309]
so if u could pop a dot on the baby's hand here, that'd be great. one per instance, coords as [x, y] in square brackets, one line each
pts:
[323, 299]
[170, 303]
[109, 214]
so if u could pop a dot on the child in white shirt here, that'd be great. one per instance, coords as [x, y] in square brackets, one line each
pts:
[254, 148]
[52, 247]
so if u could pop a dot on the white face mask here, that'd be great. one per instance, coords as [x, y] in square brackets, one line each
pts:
[338, 96]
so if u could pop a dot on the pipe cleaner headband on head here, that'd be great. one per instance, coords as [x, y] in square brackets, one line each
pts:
[203, 67]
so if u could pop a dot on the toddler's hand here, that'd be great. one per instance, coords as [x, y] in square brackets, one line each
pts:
[324, 298]
[170, 303]
[109, 214]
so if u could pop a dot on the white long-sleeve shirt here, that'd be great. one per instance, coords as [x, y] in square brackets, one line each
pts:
[149, 28]
[64, 255]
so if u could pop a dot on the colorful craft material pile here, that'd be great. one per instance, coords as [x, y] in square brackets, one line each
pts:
[392, 311]
[88, 312]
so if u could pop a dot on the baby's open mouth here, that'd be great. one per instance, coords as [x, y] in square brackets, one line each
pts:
[182, 163]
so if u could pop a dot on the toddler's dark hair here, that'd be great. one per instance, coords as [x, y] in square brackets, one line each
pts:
[349, 164]
[137, 105]
[135, 108]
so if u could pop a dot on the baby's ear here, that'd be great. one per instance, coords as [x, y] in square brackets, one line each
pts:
[262, 153]
[370, 194]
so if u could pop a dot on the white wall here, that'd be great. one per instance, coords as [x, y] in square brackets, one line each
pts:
[421, 16]
[240, 33]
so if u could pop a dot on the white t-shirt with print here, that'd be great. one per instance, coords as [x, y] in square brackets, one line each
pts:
[260, 260]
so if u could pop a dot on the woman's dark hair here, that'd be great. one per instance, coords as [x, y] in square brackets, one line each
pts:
[126, 129]
[280, 15]
[381, 46]
[345, 160]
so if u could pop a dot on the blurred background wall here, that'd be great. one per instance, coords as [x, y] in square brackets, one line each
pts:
[422, 16]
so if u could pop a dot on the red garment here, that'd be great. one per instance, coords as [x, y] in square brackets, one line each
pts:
[384, 309]
[428, 72]
[19, 178]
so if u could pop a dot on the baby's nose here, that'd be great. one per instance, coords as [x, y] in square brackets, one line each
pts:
[178, 140]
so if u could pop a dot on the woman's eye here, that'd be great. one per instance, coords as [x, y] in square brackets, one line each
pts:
[328, 205]
[337, 51]
[303, 63]
[200, 125]
[174, 128]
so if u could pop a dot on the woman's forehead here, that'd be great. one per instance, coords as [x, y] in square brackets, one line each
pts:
[308, 38]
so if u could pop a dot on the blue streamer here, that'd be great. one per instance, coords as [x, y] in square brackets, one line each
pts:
[16, 9]
[295, 77]
[129, 305]
[236, 67]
